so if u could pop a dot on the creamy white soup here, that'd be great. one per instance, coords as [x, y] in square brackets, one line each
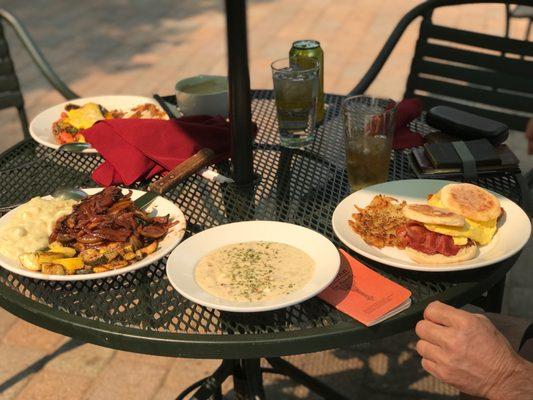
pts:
[254, 271]
[31, 224]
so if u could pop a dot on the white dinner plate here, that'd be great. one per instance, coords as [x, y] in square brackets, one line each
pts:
[514, 228]
[160, 206]
[182, 261]
[41, 125]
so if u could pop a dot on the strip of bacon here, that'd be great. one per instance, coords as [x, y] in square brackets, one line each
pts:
[416, 236]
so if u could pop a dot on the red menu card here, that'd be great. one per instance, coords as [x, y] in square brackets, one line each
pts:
[364, 294]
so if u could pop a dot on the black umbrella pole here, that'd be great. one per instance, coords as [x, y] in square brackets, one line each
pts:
[239, 93]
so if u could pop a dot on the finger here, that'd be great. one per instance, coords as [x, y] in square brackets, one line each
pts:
[438, 313]
[444, 314]
[429, 351]
[432, 332]
[430, 367]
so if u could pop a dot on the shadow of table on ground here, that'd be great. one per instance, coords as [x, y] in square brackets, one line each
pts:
[381, 370]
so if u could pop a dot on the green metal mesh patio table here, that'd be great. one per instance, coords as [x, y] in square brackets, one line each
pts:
[141, 312]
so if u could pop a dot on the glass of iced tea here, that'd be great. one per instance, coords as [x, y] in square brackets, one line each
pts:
[368, 130]
[295, 90]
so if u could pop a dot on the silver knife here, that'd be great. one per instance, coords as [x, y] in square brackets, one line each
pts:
[145, 200]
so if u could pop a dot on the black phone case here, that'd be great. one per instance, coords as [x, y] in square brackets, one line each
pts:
[465, 125]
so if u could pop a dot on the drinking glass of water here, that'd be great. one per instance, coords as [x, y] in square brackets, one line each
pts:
[368, 130]
[295, 89]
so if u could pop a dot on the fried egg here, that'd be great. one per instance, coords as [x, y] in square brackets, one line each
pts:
[85, 116]
[481, 232]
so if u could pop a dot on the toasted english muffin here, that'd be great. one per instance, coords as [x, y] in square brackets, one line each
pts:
[470, 201]
[465, 253]
[428, 214]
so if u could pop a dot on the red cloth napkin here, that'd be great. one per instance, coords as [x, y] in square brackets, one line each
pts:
[406, 111]
[136, 149]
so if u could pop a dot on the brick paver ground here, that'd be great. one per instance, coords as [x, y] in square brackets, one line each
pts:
[135, 47]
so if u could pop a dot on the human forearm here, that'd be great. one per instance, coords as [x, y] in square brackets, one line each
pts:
[517, 385]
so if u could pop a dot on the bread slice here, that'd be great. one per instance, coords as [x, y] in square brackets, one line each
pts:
[465, 253]
[427, 214]
[470, 201]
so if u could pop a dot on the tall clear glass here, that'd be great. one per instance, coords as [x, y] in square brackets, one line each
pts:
[368, 130]
[295, 89]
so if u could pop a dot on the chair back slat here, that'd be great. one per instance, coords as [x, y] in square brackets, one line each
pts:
[512, 102]
[478, 76]
[476, 39]
[10, 99]
[484, 74]
[6, 67]
[8, 84]
[497, 63]
[10, 94]
[4, 49]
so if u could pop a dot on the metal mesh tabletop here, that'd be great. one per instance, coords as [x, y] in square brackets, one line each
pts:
[141, 312]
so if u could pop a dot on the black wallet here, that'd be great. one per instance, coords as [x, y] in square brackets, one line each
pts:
[444, 155]
[442, 159]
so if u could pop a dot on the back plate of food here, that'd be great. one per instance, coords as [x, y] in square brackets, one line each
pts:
[41, 125]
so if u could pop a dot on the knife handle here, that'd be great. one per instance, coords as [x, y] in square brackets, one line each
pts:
[188, 167]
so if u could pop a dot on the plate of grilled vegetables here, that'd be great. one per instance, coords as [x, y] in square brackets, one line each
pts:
[103, 235]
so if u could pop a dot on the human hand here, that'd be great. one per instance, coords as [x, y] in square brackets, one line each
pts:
[466, 351]
[529, 136]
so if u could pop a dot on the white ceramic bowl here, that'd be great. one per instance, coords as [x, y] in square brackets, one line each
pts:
[183, 260]
[209, 103]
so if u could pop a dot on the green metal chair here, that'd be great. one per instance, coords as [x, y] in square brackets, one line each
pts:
[10, 93]
[484, 74]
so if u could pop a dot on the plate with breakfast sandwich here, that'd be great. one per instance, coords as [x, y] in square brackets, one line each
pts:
[65, 122]
[431, 225]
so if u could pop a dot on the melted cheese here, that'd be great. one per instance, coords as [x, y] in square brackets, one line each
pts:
[459, 241]
[31, 224]
[479, 231]
[84, 117]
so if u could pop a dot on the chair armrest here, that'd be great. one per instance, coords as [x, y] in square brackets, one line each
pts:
[37, 56]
